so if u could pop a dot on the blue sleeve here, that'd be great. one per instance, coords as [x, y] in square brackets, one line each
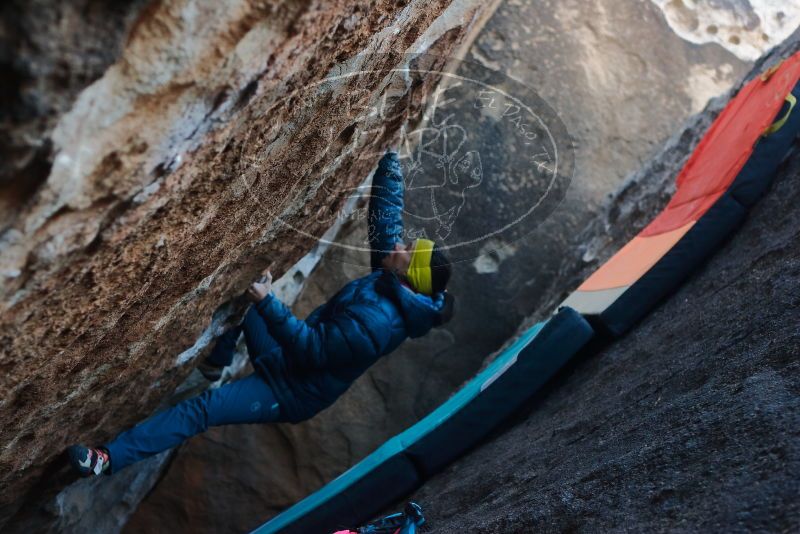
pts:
[360, 332]
[385, 217]
[304, 343]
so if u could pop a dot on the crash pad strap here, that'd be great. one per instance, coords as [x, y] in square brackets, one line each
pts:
[777, 125]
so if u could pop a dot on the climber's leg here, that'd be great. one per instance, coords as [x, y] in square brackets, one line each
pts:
[222, 353]
[249, 400]
[258, 339]
[256, 335]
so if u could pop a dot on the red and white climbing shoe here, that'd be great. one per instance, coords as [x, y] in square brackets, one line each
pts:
[87, 461]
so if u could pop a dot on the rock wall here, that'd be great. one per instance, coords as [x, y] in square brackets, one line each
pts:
[623, 82]
[49, 52]
[748, 28]
[170, 182]
[105, 504]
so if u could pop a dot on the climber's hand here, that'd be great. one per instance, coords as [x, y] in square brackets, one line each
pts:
[258, 290]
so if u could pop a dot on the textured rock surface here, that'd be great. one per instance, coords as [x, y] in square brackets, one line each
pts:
[687, 423]
[105, 504]
[49, 52]
[623, 82]
[168, 176]
[748, 28]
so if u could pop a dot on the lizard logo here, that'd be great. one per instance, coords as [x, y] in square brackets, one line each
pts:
[484, 159]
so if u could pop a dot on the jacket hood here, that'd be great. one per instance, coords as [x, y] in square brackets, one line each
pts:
[420, 312]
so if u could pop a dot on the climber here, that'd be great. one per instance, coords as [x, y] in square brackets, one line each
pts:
[303, 366]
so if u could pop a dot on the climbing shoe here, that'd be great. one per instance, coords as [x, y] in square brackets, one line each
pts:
[87, 461]
[210, 371]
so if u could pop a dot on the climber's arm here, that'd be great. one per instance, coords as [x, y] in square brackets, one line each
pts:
[298, 338]
[385, 218]
[305, 344]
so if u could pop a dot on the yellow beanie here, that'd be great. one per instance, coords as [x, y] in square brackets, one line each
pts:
[419, 271]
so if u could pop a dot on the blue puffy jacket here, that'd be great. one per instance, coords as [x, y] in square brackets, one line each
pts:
[321, 356]
[385, 218]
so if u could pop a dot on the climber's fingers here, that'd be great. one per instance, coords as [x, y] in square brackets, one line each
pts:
[266, 272]
[256, 292]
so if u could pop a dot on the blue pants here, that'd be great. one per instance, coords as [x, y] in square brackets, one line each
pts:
[248, 400]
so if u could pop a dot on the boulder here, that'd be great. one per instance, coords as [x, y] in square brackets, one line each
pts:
[176, 167]
[622, 81]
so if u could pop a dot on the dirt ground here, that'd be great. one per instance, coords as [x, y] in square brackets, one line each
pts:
[691, 422]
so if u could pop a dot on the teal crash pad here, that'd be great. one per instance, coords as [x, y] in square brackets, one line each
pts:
[353, 497]
[496, 392]
[406, 460]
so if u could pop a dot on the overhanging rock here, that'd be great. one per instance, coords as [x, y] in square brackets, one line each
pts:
[169, 176]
